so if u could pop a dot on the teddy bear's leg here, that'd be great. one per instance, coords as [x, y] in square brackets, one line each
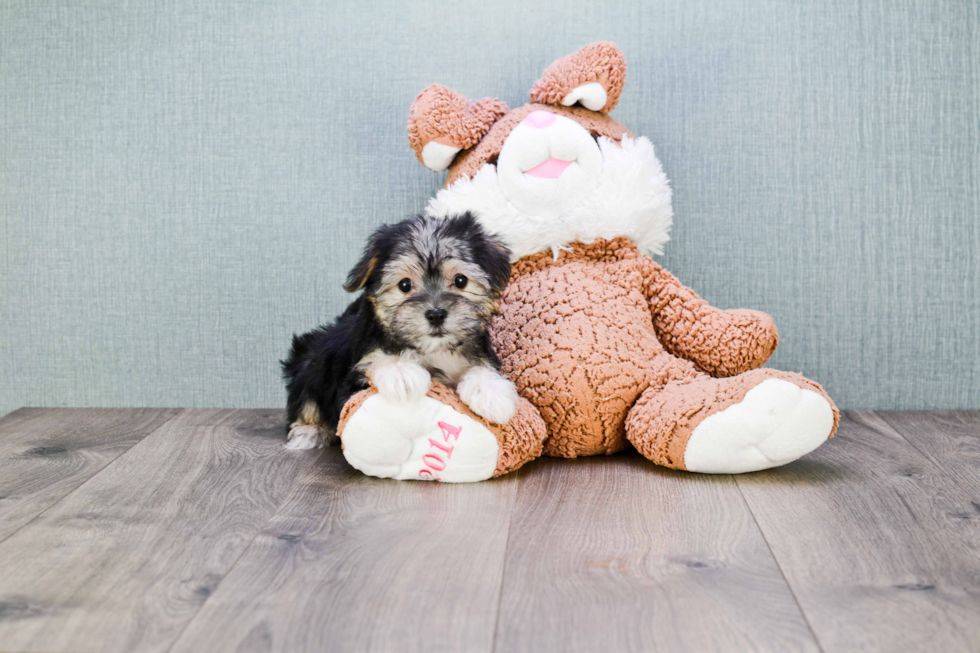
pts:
[436, 438]
[756, 420]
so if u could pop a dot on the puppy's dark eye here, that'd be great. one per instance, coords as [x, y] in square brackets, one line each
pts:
[405, 285]
[460, 281]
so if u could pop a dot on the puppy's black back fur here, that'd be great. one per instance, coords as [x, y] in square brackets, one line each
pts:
[321, 365]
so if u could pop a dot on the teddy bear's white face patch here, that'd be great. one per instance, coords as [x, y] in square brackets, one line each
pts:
[630, 196]
[548, 165]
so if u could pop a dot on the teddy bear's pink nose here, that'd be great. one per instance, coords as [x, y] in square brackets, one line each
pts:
[540, 119]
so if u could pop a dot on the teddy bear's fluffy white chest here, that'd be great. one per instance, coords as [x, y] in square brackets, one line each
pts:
[632, 198]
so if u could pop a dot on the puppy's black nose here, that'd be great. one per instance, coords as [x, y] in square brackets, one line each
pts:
[436, 316]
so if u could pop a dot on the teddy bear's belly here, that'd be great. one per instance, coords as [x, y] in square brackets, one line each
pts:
[579, 347]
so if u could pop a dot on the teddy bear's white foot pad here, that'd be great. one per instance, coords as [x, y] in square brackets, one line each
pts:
[774, 424]
[422, 440]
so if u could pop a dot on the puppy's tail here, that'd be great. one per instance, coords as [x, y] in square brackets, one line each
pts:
[294, 364]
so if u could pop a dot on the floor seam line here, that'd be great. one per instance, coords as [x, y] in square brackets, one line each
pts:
[922, 452]
[241, 555]
[90, 478]
[782, 574]
[503, 567]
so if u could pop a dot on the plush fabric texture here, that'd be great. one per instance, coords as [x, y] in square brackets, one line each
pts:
[774, 423]
[576, 336]
[668, 411]
[721, 343]
[599, 62]
[520, 440]
[584, 335]
[633, 199]
[440, 114]
[468, 162]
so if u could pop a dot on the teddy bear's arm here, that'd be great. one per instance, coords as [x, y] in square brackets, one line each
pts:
[722, 343]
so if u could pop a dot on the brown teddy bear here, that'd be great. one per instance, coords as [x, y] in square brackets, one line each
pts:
[605, 346]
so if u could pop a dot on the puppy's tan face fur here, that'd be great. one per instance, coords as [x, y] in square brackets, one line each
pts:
[429, 273]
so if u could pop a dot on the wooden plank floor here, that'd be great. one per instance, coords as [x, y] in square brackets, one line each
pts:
[193, 530]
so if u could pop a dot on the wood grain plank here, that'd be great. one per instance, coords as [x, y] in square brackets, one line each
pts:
[614, 553]
[869, 536]
[45, 453]
[353, 563]
[125, 561]
[950, 439]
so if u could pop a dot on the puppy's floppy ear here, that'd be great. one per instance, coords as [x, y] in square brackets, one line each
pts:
[359, 276]
[362, 272]
[497, 262]
[489, 251]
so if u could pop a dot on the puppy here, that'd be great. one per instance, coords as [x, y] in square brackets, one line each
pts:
[430, 288]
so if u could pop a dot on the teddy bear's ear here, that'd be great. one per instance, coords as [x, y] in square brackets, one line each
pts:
[593, 77]
[442, 122]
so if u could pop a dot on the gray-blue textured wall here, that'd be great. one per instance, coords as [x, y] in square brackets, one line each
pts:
[183, 185]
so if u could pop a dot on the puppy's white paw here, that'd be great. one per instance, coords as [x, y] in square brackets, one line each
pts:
[306, 436]
[401, 381]
[488, 394]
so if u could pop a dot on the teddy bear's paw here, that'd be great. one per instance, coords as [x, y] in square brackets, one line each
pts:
[401, 381]
[488, 394]
[422, 440]
[774, 424]
[309, 436]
